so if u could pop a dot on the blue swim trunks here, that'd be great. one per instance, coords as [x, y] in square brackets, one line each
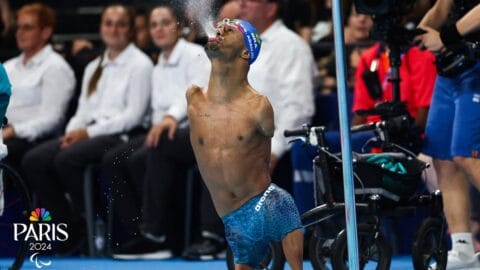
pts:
[453, 125]
[267, 217]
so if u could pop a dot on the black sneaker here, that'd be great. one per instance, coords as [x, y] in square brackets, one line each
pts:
[141, 247]
[210, 248]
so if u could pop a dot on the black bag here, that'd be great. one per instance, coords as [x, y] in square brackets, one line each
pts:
[454, 62]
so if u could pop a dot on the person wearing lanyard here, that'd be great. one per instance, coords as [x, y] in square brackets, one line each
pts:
[112, 104]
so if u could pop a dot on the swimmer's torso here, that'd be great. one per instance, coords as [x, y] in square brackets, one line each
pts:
[231, 151]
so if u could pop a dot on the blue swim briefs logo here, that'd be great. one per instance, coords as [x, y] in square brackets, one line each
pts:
[263, 198]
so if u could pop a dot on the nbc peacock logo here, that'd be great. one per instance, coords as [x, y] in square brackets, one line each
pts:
[40, 214]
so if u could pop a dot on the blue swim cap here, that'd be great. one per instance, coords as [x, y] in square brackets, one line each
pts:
[251, 37]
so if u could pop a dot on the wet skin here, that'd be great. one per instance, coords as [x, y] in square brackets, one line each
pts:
[231, 125]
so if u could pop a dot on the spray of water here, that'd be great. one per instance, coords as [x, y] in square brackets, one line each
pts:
[201, 11]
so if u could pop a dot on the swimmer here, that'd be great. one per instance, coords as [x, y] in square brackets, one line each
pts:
[231, 126]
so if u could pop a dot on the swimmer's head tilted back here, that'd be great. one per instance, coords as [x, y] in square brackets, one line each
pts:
[251, 37]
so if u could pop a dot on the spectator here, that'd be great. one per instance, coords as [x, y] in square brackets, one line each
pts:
[322, 18]
[284, 72]
[357, 26]
[42, 81]
[7, 20]
[115, 93]
[143, 40]
[230, 9]
[311, 19]
[149, 194]
[7, 33]
[299, 16]
[356, 34]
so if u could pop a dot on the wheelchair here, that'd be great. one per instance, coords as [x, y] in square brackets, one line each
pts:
[386, 186]
[15, 206]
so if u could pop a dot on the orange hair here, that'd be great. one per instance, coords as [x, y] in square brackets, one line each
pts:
[45, 14]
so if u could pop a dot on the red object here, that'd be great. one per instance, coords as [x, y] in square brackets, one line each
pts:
[417, 74]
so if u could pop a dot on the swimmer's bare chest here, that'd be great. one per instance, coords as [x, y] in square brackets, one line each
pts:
[232, 155]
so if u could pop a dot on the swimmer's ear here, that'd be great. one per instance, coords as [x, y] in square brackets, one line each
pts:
[245, 55]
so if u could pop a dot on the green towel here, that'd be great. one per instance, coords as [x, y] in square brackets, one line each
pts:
[388, 163]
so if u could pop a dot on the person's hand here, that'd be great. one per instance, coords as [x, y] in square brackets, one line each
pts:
[73, 137]
[273, 163]
[80, 44]
[8, 132]
[430, 40]
[168, 124]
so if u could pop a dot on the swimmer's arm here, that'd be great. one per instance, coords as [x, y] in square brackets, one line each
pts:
[265, 120]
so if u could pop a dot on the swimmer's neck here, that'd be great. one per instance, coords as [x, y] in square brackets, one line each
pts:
[227, 81]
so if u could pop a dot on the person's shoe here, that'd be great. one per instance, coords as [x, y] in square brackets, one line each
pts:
[210, 248]
[459, 261]
[144, 248]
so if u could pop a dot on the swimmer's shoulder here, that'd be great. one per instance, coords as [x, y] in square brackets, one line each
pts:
[265, 109]
[192, 92]
[264, 114]
[260, 101]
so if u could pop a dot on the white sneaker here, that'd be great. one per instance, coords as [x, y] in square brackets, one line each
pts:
[459, 261]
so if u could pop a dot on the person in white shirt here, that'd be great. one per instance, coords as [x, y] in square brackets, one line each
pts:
[42, 84]
[112, 104]
[284, 72]
[132, 168]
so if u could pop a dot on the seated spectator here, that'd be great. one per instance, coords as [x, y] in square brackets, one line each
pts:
[42, 81]
[299, 16]
[322, 20]
[113, 101]
[143, 40]
[356, 34]
[7, 31]
[230, 9]
[6, 19]
[138, 175]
